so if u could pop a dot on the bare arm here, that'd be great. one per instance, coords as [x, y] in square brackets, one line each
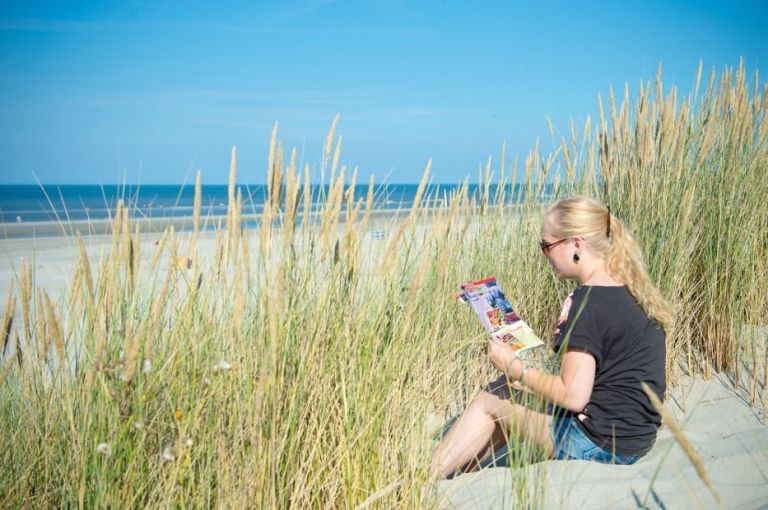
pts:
[571, 388]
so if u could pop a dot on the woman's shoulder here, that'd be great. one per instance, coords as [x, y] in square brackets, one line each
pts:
[601, 292]
[611, 303]
[602, 300]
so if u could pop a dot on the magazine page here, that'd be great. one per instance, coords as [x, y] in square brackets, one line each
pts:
[497, 315]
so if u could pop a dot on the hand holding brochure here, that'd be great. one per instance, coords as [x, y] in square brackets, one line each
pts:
[497, 316]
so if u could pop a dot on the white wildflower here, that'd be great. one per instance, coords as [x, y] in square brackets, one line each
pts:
[169, 453]
[222, 366]
[187, 441]
[104, 448]
[138, 425]
[146, 367]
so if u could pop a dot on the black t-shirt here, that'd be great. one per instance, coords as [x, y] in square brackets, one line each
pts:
[628, 348]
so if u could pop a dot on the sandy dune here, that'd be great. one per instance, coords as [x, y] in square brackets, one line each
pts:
[729, 434]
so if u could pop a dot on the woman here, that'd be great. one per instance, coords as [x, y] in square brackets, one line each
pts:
[610, 336]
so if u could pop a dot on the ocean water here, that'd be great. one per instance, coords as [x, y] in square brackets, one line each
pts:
[55, 203]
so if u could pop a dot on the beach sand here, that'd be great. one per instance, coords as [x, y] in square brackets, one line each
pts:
[53, 247]
[728, 433]
[55, 259]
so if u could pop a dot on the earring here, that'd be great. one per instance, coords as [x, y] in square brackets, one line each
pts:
[576, 258]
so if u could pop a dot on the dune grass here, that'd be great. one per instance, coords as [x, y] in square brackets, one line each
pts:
[295, 364]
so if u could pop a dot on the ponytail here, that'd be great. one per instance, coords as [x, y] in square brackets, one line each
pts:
[624, 261]
[608, 237]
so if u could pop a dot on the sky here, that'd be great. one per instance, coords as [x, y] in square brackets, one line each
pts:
[151, 91]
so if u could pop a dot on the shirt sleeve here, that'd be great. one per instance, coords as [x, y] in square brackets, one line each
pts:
[582, 330]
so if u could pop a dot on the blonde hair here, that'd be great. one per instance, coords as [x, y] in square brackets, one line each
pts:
[607, 236]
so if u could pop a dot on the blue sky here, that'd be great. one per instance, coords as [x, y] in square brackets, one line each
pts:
[150, 91]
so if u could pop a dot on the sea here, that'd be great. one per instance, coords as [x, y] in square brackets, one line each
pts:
[63, 203]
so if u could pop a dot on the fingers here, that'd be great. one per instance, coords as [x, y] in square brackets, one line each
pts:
[495, 340]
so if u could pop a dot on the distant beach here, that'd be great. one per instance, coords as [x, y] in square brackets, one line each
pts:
[52, 210]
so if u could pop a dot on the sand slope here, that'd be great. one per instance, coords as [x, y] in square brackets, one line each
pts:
[730, 436]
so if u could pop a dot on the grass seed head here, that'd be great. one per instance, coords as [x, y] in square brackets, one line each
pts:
[104, 449]
[169, 454]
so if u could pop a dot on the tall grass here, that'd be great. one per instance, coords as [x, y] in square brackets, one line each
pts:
[295, 365]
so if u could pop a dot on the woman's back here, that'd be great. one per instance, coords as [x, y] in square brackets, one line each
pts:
[628, 348]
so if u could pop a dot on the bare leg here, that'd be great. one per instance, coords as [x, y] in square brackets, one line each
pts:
[471, 436]
[468, 438]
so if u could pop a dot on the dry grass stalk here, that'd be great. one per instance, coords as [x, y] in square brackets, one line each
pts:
[75, 291]
[134, 337]
[127, 253]
[85, 266]
[373, 498]
[135, 253]
[237, 232]
[419, 279]
[10, 307]
[117, 223]
[196, 222]
[19, 352]
[245, 261]
[292, 183]
[336, 157]
[238, 310]
[330, 217]
[155, 316]
[54, 328]
[350, 225]
[764, 359]
[275, 191]
[41, 327]
[395, 241]
[307, 192]
[218, 262]
[6, 370]
[368, 207]
[503, 158]
[755, 374]
[230, 205]
[485, 180]
[267, 214]
[175, 259]
[110, 290]
[329, 141]
[133, 344]
[101, 332]
[26, 294]
[159, 250]
[679, 436]
[275, 305]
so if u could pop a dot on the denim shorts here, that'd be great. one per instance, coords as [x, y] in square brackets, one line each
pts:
[571, 442]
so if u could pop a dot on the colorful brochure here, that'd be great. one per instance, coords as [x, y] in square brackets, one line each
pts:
[497, 315]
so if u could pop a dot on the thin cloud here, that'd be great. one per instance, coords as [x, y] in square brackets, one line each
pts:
[53, 25]
[288, 16]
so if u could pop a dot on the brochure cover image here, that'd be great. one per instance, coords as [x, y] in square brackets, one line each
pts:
[497, 315]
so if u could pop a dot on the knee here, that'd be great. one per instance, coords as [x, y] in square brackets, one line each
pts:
[486, 402]
[496, 408]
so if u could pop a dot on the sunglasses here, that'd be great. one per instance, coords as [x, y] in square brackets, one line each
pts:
[545, 246]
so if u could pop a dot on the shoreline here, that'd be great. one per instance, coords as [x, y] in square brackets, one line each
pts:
[54, 229]
[61, 229]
